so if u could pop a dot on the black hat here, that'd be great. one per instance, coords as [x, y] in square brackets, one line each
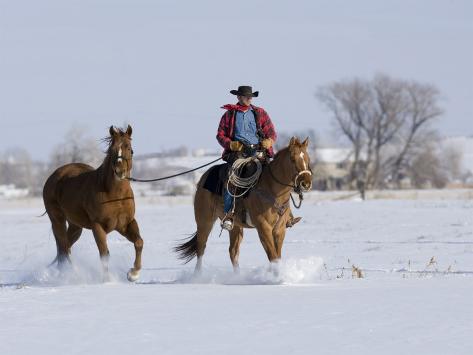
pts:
[244, 91]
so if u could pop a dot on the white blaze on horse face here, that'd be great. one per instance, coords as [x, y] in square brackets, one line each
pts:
[303, 160]
[119, 160]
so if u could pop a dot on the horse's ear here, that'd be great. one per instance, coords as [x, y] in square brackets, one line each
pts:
[305, 143]
[129, 130]
[113, 131]
[293, 141]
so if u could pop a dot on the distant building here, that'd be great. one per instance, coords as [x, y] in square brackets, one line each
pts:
[332, 168]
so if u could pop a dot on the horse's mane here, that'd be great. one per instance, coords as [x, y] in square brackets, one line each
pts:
[109, 140]
[285, 149]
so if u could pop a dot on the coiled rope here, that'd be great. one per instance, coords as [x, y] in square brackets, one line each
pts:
[244, 183]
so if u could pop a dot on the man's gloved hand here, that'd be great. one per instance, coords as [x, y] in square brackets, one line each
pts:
[267, 143]
[236, 146]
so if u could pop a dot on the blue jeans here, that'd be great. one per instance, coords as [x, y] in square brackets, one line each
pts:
[227, 198]
[227, 201]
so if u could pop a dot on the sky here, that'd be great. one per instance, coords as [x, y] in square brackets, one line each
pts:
[166, 67]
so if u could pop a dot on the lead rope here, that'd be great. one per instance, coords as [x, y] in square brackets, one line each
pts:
[301, 198]
[172, 176]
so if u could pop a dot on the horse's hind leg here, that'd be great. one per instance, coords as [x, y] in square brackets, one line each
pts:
[205, 217]
[203, 231]
[132, 233]
[236, 236]
[73, 234]
[58, 223]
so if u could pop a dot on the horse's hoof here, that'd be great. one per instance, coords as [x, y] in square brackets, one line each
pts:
[292, 222]
[133, 275]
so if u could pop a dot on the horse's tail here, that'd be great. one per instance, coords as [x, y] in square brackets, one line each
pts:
[187, 250]
[59, 259]
[54, 261]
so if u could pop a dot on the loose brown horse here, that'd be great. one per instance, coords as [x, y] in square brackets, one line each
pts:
[267, 206]
[98, 199]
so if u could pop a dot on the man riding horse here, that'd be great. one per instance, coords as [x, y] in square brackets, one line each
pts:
[244, 129]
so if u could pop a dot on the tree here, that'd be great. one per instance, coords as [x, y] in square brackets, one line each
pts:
[284, 137]
[422, 101]
[77, 147]
[16, 168]
[381, 118]
[426, 169]
[351, 104]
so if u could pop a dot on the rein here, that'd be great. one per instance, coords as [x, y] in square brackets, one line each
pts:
[172, 176]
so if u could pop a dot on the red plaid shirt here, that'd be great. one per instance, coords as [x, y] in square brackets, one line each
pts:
[226, 128]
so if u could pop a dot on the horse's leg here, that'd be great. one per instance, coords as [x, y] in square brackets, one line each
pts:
[132, 233]
[73, 234]
[205, 217]
[265, 233]
[101, 240]
[203, 230]
[236, 236]
[278, 235]
[58, 223]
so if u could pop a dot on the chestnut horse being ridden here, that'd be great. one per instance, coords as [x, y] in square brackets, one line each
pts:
[267, 206]
[77, 196]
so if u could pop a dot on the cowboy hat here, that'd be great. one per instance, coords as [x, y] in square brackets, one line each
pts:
[244, 91]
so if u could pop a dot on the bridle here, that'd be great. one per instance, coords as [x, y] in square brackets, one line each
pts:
[297, 188]
[118, 159]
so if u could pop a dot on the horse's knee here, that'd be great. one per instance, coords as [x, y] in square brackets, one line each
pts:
[138, 244]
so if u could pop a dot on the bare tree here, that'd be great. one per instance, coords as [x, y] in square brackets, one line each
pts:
[426, 169]
[451, 160]
[284, 137]
[16, 168]
[377, 114]
[422, 100]
[349, 102]
[389, 116]
[77, 147]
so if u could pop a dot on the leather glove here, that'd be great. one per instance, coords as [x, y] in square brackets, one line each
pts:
[267, 143]
[236, 146]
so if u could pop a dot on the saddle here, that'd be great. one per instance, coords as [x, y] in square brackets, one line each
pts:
[216, 179]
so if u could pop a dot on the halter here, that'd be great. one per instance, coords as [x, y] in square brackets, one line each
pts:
[117, 160]
[295, 187]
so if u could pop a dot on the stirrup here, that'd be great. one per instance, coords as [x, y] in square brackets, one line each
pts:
[227, 223]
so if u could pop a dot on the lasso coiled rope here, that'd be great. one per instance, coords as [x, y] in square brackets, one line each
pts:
[245, 183]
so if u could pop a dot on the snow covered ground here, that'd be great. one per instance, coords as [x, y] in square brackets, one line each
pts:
[407, 302]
